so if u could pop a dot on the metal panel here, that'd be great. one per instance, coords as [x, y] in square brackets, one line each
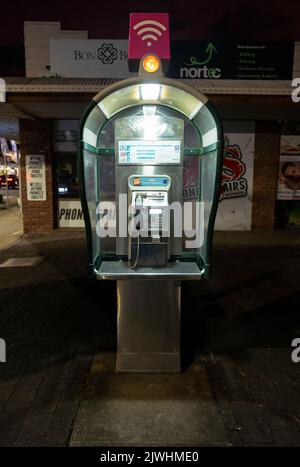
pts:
[148, 326]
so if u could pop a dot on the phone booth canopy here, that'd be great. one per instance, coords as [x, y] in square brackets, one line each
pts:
[149, 126]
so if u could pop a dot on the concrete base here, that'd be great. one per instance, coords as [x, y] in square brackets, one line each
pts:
[147, 410]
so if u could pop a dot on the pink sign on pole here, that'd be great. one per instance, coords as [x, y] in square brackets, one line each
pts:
[149, 33]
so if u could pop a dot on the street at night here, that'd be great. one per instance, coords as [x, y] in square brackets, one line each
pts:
[149, 230]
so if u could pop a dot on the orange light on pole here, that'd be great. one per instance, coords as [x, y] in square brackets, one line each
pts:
[151, 63]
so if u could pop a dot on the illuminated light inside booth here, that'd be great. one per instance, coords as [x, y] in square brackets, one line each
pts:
[150, 92]
[158, 93]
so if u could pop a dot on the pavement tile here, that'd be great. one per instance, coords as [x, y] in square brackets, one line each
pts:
[255, 432]
[65, 410]
[229, 420]
[21, 398]
[218, 387]
[31, 441]
[47, 396]
[12, 418]
[263, 389]
[73, 388]
[6, 391]
[31, 382]
[36, 425]
[59, 432]
[58, 370]
[289, 393]
[7, 437]
[80, 365]
[235, 383]
[286, 438]
[280, 420]
[244, 412]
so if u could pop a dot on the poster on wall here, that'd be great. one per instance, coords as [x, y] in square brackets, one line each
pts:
[36, 177]
[288, 187]
[235, 207]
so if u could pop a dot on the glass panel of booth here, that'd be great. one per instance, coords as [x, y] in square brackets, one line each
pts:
[104, 139]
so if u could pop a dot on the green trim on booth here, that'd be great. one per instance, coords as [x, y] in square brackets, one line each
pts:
[99, 151]
[187, 151]
[82, 191]
[218, 178]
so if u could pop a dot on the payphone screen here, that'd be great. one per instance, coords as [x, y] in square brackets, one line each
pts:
[149, 152]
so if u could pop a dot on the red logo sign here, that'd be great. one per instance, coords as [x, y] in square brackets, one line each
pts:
[149, 33]
[234, 184]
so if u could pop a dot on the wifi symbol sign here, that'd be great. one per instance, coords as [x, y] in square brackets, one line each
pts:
[149, 30]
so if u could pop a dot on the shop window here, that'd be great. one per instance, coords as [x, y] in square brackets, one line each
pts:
[66, 175]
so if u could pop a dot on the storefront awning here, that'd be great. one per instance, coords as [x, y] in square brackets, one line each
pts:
[94, 85]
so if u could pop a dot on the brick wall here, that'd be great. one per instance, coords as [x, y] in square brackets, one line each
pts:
[266, 159]
[35, 138]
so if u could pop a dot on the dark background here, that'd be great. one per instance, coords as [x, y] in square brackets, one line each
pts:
[257, 20]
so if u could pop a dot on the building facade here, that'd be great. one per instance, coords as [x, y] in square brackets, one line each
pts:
[261, 125]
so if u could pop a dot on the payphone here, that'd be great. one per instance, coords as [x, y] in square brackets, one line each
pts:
[148, 240]
[144, 143]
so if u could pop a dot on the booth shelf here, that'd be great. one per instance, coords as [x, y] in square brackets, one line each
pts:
[178, 270]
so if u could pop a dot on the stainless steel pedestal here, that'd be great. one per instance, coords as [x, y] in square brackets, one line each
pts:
[148, 326]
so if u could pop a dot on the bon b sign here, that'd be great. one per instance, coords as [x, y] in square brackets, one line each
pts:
[149, 33]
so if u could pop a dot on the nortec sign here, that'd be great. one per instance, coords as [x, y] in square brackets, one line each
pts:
[107, 58]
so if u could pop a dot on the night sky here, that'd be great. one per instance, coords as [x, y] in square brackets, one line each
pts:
[255, 20]
[232, 19]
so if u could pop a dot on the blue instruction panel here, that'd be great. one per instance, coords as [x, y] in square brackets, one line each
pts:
[141, 180]
[149, 152]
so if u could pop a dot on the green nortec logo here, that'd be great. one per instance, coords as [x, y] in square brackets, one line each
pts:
[210, 50]
[203, 72]
[197, 68]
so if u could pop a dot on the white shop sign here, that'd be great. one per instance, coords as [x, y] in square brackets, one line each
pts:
[70, 213]
[89, 58]
[36, 178]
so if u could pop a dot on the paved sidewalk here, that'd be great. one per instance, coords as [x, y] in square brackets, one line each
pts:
[237, 333]
[11, 225]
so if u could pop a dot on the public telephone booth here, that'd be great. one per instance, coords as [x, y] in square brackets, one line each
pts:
[140, 140]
